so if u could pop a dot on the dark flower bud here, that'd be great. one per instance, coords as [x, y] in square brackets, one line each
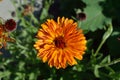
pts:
[81, 16]
[10, 25]
[13, 14]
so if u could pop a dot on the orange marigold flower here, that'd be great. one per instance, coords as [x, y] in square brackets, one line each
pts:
[59, 43]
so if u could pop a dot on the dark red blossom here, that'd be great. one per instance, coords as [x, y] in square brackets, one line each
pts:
[10, 25]
[81, 16]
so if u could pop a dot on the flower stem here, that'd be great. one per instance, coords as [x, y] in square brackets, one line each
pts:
[111, 63]
[99, 47]
[105, 37]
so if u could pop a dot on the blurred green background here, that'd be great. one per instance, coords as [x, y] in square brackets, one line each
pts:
[19, 60]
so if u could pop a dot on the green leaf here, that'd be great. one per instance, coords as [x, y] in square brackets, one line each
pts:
[78, 67]
[94, 16]
[116, 76]
[96, 71]
[108, 32]
[31, 76]
[20, 76]
[22, 23]
[49, 78]
[21, 65]
[106, 60]
[44, 13]
[105, 37]
[4, 74]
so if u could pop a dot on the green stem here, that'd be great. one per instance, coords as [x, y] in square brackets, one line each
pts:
[111, 63]
[99, 47]
[104, 38]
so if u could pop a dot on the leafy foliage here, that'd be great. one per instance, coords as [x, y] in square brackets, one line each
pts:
[19, 60]
[95, 18]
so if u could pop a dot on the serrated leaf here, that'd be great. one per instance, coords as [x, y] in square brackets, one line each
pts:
[94, 16]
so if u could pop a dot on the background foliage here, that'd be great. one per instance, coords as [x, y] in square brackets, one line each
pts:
[19, 61]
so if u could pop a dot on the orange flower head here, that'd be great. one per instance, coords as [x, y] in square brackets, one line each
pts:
[4, 33]
[60, 43]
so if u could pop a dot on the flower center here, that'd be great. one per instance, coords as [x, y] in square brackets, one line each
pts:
[59, 42]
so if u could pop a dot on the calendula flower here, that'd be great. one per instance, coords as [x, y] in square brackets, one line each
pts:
[5, 27]
[60, 43]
